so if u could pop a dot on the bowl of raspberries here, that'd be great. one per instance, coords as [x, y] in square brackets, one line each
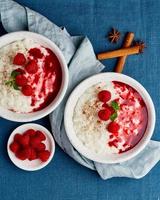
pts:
[31, 147]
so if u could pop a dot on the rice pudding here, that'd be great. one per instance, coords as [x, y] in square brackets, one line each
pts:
[110, 117]
[30, 76]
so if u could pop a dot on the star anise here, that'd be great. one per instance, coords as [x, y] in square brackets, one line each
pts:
[141, 44]
[114, 35]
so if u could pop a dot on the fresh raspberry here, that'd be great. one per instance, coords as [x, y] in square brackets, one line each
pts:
[30, 132]
[104, 114]
[27, 90]
[105, 105]
[35, 141]
[33, 155]
[32, 67]
[113, 127]
[19, 59]
[44, 155]
[14, 147]
[21, 154]
[104, 95]
[40, 135]
[36, 53]
[27, 151]
[21, 80]
[24, 141]
[21, 71]
[40, 147]
[17, 137]
[114, 134]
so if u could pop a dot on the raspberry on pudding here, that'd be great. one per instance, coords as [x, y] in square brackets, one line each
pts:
[110, 117]
[30, 76]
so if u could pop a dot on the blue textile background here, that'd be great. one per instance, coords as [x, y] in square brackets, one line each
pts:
[64, 179]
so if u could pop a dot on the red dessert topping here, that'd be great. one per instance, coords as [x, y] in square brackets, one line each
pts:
[132, 118]
[21, 80]
[105, 105]
[32, 67]
[113, 143]
[40, 78]
[51, 61]
[111, 136]
[104, 114]
[19, 59]
[27, 90]
[36, 53]
[104, 95]
[113, 127]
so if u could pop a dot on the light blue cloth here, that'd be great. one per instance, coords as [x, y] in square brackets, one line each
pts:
[82, 63]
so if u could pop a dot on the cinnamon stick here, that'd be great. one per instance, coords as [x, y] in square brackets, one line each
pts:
[119, 53]
[121, 60]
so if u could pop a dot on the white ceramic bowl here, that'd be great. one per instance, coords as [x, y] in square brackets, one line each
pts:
[13, 116]
[34, 164]
[71, 103]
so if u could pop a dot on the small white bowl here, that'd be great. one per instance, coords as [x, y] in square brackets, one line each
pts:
[71, 103]
[34, 164]
[20, 35]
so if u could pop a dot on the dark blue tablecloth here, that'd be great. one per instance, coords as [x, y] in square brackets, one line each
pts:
[63, 178]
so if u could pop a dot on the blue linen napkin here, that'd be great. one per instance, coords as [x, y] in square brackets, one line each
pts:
[82, 63]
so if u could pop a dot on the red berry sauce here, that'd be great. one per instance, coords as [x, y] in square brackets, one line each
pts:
[46, 80]
[132, 118]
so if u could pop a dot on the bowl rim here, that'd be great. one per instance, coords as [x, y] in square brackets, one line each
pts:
[76, 93]
[28, 117]
[23, 128]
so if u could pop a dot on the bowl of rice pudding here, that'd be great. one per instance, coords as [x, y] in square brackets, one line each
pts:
[33, 76]
[109, 118]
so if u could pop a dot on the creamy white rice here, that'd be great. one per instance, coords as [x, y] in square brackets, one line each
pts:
[9, 98]
[89, 129]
